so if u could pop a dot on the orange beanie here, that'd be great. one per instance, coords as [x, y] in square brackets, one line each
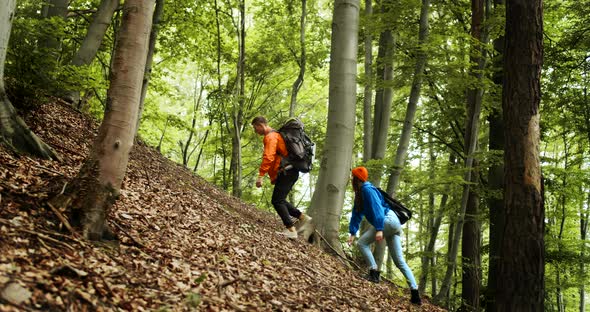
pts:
[361, 173]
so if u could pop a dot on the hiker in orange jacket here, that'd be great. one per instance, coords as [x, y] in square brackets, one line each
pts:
[281, 176]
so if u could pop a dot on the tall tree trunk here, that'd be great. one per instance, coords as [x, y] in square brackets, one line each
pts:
[91, 43]
[381, 116]
[159, 11]
[404, 142]
[99, 180]
[367, 99]
[328, 197]
[301, 62]
[474, 99]
[13, 130]
[96, 31]
[383, 98]
[238, 111]
[520, 282]
[471, 250]
[496, 173]
[426, 255]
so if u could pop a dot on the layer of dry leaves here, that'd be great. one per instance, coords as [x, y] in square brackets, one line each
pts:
[184, 244]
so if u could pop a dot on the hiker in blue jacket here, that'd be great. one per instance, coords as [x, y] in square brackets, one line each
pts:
[369, 202]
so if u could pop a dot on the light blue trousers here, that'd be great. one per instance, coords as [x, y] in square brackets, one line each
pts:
[392, 230]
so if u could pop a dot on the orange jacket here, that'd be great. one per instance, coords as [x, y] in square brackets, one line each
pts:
[274, 147]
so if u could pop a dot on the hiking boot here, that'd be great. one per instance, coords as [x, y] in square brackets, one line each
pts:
[373, 276]
[415, 297]
[289, 233]
[302, 222]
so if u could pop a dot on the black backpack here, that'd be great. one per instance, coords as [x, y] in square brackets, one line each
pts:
[299, 146]
[404, 214]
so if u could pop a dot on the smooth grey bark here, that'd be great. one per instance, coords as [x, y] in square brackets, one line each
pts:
[98, 183]
[368, 94]
[96, 31]
[404, 142]
[328, 197]
[521, 266]
[495, 173]
[383, 109]
[474, 100]
[100, 23]
[301, 62]
[13, 130]
[238, 109]
[158, 12]
[383, 99]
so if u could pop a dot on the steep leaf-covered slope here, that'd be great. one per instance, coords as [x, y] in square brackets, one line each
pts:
[184, 243]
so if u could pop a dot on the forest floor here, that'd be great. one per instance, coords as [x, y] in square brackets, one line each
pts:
[184, 243]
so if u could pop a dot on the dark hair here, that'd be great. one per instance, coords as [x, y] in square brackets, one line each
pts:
[358, 194]
[259, 120]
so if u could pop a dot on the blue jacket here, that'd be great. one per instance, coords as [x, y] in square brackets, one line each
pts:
[374, 209]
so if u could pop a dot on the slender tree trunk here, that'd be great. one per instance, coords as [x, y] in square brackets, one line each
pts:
[301, 62]
[328, 197]
[381, 116]
[520, 282]
[96, 31]
[404, 142]
[99, 180]
[159, 11]
[471, 250]
[474, 99]
[237, 117]
[91, 43]
[383, 98]
[13, 130]
[496, 173]
[426, 256]
[367, 99]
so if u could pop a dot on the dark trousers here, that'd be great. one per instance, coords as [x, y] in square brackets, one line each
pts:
[283, 186]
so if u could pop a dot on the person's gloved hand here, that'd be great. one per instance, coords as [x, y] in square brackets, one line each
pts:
[259, 181]
[350, 239]
[379, 236]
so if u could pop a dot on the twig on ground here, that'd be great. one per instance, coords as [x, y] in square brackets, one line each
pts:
[63, 219]
[63, 189]
[140, 244]
[39, 235]
[303, 271]
[48, 169]
[336, 252]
